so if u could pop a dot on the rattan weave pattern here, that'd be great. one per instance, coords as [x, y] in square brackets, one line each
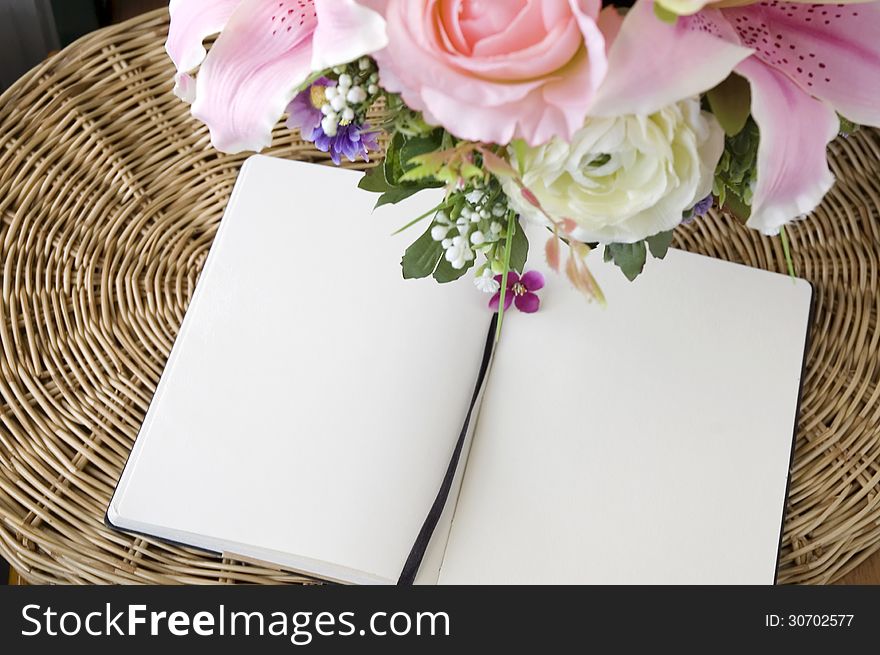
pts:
[110, 195]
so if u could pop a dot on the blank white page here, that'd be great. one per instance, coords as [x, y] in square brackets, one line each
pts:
[647, 442]
[313, 397]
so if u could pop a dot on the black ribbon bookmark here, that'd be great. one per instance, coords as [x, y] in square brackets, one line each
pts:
[414, 561]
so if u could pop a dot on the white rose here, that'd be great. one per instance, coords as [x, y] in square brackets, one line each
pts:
[626, 178]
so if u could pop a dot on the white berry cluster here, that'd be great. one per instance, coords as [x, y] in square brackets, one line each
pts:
[457, 247]
[356, 89]
[477, 227]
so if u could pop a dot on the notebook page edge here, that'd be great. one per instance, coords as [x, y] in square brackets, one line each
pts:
[113, 515]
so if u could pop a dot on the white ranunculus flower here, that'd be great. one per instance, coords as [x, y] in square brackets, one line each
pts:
[626, 178]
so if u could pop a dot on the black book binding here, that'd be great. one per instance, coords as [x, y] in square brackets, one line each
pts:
[417, 553]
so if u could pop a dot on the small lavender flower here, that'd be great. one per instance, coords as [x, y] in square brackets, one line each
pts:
[349, 139]
[699, 210]
[304, 111]
[702, 208]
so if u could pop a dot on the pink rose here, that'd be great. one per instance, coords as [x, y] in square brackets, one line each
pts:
[499, 70]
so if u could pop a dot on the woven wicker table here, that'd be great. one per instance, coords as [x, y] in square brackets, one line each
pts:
[110, 195]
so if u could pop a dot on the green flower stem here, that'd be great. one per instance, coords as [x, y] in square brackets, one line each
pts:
[511, 228]
[308, 81]
[436, 209]
[786, 250]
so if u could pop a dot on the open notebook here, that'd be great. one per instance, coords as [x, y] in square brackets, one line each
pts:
[313, 400]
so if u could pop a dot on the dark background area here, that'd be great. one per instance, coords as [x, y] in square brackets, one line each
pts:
[73, 18]
[30, 30]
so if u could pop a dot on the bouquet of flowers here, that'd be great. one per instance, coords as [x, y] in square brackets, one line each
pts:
[610, 125]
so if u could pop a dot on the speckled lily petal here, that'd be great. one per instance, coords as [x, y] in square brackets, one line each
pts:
[252, 71]
[652, 64]
[830, 51]
[793, 173]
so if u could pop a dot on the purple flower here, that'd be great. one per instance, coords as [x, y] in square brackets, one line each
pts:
[351, 139]
[520, 290]
[303, 114]
[700, 209]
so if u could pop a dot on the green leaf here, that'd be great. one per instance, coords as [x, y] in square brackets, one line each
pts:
[420, 145]
[414, 156]
[731, 102]
[601, 160]
[447, 175]
[388, 177]
[498, 166]
[470, 171]
[374, 179]
[457, 205]
[735, 205]
[519, 249]
[421, 258]
[659, 244]
[422, 217]
[445, 272]
[629, 257]
[421, 172]
[519, 151]
[393, 168]
[737, 171]
[847, 127]
[396, 194]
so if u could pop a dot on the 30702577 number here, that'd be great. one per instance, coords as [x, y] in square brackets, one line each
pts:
[808, 620]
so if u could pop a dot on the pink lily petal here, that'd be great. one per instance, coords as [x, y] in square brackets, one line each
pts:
[533, 280]
[688, 7]
[831, 51]
[528, 303]
[185, 87]
[736, 3]
[346, 31]
[192, 21]
[739, 3]
[652, 64]
[252, 72]
[795, 129]
[496, 300]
